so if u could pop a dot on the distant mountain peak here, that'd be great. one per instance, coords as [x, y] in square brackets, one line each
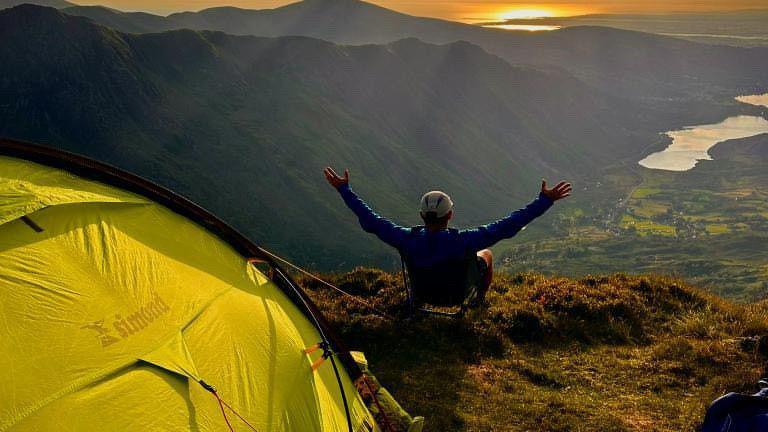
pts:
[58, 4]
[33, 11]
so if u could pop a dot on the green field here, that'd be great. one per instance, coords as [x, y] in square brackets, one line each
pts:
[708, 225]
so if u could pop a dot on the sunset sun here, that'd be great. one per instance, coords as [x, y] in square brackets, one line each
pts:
[504, 16]
[525, 13]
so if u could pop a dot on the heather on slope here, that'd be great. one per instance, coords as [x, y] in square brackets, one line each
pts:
[609, 353]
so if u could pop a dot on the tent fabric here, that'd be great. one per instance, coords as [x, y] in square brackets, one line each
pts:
[112, 313]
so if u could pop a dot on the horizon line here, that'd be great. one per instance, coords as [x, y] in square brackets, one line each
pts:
[477, 20]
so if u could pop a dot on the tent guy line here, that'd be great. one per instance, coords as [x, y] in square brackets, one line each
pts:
[326, 283]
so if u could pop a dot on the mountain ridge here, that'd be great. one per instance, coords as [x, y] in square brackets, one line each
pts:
[58, 4]
[631, 63]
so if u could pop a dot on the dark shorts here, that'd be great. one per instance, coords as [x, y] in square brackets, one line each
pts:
[482, 268]
[476, 288]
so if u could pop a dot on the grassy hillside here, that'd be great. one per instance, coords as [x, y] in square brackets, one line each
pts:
[608, 353]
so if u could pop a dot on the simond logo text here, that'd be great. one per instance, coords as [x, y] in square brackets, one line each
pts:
[130, 325]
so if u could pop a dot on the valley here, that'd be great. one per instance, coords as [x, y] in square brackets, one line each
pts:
[708, 225]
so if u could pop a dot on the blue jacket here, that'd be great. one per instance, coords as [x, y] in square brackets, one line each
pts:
[425, 249]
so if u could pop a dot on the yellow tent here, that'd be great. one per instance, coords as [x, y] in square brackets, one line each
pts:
[122, 306]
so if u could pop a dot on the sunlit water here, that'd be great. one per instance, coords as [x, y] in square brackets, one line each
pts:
[524, 27]
[691, 144]
[759, 100]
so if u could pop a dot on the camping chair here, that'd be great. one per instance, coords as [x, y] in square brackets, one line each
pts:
[452, 285]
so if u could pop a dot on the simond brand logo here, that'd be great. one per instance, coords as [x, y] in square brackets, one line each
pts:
[102, 333]
[130, 325]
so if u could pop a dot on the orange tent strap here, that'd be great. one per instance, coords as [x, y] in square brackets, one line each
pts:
[317, 363]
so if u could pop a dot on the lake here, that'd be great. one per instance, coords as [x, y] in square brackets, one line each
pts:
[524, 27]
[759, 100]
[691, 144]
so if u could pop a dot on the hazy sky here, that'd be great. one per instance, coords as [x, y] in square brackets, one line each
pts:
[466, 10]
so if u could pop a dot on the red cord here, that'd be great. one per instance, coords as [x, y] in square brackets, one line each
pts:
[223, 404]
[223, 413]
[238, 415]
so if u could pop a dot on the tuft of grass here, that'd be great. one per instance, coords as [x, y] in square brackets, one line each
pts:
[598, 353]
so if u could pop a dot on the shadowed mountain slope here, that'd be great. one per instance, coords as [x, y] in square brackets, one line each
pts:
[243, 125]
[626, 62]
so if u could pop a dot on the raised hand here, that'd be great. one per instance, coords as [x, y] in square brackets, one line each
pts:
[560, 191]
[334, 179]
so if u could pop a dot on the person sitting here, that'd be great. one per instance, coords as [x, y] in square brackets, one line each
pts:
[445, 265]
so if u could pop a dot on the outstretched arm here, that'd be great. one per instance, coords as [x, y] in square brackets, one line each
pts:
[388, 232]
[488, 235]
